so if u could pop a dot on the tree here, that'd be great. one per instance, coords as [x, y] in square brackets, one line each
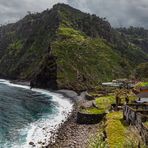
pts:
[142, 71]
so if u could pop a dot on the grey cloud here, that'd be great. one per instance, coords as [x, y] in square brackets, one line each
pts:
[118, 12]
[13, 10]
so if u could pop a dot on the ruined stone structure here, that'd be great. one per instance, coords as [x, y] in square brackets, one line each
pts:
[137, 115]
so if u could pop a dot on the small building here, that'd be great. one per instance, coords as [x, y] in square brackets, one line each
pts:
[120, 83]
[143, 97]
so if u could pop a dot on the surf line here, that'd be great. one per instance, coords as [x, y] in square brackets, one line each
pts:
[40, 133]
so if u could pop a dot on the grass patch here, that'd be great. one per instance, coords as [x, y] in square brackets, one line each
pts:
[115, 130]
[105, 102]
[119, 135]
[70, 33]
[141, 84]
[93, 111]
[144, 83]
[146, 124]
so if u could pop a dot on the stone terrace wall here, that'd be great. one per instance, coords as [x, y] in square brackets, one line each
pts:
[84, 118]
[134, 115]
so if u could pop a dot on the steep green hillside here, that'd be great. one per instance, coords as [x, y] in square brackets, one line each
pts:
[66, 48]
[25, 43]
[137, 36]
[83, 62]
[142, 71]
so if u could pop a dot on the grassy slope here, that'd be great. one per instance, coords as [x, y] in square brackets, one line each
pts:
[82, 61]
[119, 135]
[82, 44]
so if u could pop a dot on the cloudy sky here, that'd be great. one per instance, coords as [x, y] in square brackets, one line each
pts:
[119, 12]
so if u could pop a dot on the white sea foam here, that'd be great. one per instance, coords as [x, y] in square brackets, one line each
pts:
[41, 131]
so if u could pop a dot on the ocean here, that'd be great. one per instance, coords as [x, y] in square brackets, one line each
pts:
[29, 116]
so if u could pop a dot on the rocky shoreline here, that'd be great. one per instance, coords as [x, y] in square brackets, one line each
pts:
[71, 134]
[74, 135]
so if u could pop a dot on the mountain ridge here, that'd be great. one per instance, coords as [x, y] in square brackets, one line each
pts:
[66, 48]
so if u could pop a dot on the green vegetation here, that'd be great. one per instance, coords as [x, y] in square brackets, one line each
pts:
[145, 83]
[82, 49]
[146, 124]
[115, 130]
[142, 71]
[83, 63]
[70, 33]
[137, 36]
[105, 102]
[15, 48]
[119, 135]
[16, 45]
[141, 84]
[66, 48]
[93, 111]
[123, 93]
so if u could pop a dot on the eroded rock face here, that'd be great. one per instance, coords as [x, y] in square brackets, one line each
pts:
[47, 75]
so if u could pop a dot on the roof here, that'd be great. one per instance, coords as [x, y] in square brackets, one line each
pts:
[144, 88]
[122, 80]
[142, 95]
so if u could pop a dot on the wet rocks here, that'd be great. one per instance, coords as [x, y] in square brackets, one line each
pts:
[32, 144]
[74, 135]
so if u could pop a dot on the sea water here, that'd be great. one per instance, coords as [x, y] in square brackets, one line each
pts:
[29, 115]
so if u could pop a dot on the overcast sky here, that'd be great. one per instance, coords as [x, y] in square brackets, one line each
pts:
[120, 13]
